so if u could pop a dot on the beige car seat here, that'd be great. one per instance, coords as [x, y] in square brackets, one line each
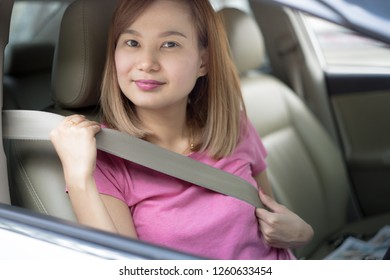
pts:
[35, 172]
[305, 167]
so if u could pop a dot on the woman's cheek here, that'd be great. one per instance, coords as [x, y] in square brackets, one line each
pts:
[123, 61]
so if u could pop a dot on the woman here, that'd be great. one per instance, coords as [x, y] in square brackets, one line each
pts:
[170, 80]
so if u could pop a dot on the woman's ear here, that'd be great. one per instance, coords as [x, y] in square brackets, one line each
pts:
[204, 66]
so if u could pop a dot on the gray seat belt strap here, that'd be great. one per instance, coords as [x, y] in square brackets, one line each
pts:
[36, 125]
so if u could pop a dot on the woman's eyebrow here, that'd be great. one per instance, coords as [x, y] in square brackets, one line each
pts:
[161, 35]
[131, 32]
[172, 33]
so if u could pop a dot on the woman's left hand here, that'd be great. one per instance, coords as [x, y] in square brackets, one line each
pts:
[281, 228]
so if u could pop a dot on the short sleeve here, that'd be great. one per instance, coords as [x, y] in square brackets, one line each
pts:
[108, 177]
[256, 147]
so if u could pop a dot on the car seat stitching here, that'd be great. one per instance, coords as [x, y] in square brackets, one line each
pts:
[29, 186]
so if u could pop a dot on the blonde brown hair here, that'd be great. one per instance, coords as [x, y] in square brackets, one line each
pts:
[215, 105]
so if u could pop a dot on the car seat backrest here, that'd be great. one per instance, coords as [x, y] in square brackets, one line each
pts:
[27, 76]
[80, 53]
[35, 172]
[304, 166]
[248, 51]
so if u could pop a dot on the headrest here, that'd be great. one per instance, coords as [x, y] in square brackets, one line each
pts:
[80, 53]
[245, 39]
[27, 58]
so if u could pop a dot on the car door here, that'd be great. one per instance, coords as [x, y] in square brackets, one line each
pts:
[357, 77]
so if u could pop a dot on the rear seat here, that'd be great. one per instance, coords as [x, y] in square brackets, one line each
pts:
[27, 76]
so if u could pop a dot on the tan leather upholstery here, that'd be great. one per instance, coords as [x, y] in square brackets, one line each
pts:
[80, 53]
[247, 56]
[35, 172]
[305, 167]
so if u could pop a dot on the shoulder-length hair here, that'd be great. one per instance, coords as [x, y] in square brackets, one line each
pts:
[215, 103]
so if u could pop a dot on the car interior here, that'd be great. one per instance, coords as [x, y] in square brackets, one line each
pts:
[306, 168]
[306, 162]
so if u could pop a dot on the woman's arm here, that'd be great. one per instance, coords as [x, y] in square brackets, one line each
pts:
[120, 215]
[101, 211]
[75, 143]
[281, 227]
[263, 183]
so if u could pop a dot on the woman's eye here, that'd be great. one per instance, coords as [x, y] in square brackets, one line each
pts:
[132, 43]
[169, 45]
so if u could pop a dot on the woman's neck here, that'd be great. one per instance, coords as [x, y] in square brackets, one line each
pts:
[169, 130]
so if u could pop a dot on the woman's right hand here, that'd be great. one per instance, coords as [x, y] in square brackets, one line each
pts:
[75, 143]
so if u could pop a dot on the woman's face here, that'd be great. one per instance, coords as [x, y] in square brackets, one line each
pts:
[158, 58]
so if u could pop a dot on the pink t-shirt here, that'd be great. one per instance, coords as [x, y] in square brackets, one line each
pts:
[170, 212]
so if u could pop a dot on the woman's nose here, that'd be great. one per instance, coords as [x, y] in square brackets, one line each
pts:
[148, 61]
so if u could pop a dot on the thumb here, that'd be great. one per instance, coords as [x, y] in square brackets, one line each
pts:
[269, 202]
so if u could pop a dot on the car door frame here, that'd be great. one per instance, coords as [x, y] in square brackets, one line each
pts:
[5, 18]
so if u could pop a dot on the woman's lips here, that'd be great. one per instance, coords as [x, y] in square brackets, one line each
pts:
[148, 85]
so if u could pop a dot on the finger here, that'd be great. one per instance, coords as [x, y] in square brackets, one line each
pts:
[73, 120]
[269, 202]
[270, 228]
[267, 232]
[263, 216]
[266, 214]
[96, 128]
[87, 123]
[260, 213]
[89, 127]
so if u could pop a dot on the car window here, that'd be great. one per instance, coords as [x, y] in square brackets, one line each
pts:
[239, 4]
[339, 46]
[36, 21]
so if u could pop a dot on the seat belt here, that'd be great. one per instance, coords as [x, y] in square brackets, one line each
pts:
[36, 125]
